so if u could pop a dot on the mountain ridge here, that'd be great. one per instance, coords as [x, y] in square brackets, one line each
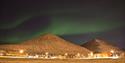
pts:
[48, 43]
[100, 45]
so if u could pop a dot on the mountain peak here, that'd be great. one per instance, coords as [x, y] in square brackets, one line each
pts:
[49, 43]
[49, 36]
[96, 41]
[99, 44]
[42, 38]
[99, 39]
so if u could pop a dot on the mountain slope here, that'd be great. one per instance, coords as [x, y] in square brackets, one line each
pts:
[100, 45]
[48, 43]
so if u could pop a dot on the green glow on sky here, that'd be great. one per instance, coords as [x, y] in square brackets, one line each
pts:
[8, 24]
[62, 26]
[65, 19]
[65, 25]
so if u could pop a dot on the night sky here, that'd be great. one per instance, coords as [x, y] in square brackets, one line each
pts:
[74, 20]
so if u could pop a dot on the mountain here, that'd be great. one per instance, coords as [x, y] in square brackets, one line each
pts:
[101, 45]
[47, 43]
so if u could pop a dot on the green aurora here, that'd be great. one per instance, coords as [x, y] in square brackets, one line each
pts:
[63, 19]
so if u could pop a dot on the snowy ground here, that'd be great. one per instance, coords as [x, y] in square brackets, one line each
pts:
[122, 60]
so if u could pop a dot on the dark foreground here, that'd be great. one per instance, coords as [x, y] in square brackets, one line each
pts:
[62, 61]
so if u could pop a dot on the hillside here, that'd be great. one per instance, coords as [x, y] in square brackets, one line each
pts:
[100, 45]
[48, 43]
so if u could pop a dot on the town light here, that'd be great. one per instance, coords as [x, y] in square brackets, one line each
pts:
[47, 53]
[66, 54]
[112, 51]
[21, 51]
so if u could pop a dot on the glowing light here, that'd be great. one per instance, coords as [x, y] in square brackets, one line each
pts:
[47, 53]
[112, 51]
[36, 56]
[78, 54]
[66, 54]
[91, 54]
[21, 51]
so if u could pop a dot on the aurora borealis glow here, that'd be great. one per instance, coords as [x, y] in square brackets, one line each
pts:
[22, 20]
